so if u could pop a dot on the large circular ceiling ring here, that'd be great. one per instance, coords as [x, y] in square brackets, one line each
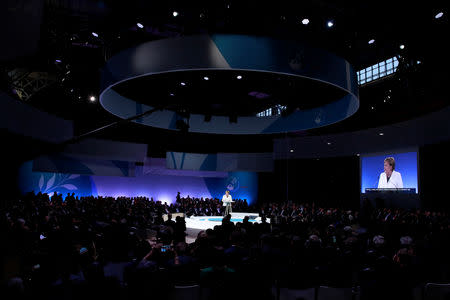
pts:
[222, 75]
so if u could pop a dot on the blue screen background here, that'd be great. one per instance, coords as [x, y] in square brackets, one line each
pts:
[372, 167]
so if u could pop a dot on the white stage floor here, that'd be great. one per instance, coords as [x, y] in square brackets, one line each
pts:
[195, 224]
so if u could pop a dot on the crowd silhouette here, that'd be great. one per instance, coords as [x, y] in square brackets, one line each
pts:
[126, 248]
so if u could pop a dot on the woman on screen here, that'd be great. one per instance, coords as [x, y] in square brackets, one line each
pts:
[390, 179]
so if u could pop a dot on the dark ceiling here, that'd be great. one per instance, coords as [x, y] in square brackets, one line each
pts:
[66, 36]
[223, 94]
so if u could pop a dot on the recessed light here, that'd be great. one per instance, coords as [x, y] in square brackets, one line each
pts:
[292, 150]
[206, 78]
[330, 24]
[95, 34]
[92, 98]
[371, 41]
[175, 13]
[183, 83]
[381, 133]
[328, 143]
[305, 21]
[357, 154]
[239, 77]
[402, 46]
[439, 15]
[140, 25]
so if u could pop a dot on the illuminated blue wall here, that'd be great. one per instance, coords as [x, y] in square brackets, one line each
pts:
[242, 185]
[372, 167]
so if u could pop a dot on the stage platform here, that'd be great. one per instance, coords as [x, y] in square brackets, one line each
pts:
[195, 224]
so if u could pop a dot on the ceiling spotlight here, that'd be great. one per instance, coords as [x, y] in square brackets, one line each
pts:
[71, 90]
[175, 13]
[172, 94]
[239, 77]
[357, 154]
[305, 21]
[330, 24]
[371, 41]
[79, 97]
[95, 34]
[381, 133]
[372, 108]
[292, 150]
[439, 15]
[57, 61]
[140, 25]
[206, 78]
[183, 83]
[402, 46]
[419, 62]
[92, 98]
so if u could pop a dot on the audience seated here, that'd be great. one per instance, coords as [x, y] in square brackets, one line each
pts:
[103, 247]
